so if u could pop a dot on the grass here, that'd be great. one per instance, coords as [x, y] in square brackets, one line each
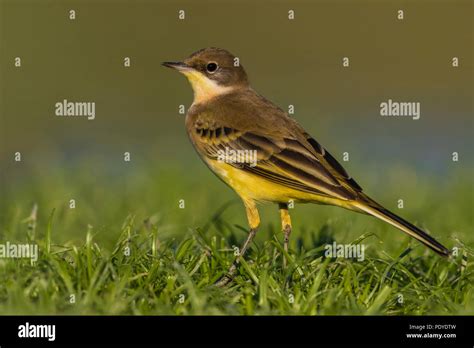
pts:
[165, 262]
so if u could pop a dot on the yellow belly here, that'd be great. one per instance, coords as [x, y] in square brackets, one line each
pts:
[253, 187]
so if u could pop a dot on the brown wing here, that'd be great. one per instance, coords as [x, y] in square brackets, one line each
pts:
[333, 165]
[283, 160]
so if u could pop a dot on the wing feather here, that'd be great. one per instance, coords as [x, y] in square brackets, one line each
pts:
[284, 161]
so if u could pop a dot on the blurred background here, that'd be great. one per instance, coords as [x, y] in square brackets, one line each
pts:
[296, 62]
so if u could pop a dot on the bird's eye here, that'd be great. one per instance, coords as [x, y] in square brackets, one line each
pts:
[211, 67]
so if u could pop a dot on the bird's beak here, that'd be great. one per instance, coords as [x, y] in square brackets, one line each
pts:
[180, 66]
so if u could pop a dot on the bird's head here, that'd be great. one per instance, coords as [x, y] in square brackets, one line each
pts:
[211, 72]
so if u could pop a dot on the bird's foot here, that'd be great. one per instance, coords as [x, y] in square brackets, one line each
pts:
[226, 278]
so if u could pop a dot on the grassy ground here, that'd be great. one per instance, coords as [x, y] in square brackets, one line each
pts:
[128, 248]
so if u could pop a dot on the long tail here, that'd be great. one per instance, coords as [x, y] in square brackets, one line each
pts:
[375, 209]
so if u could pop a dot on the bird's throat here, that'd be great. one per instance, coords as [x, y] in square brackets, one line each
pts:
[204, 88]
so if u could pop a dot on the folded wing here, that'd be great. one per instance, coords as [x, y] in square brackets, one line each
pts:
[300, 165]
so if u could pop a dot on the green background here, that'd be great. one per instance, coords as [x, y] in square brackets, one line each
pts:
[295, 62]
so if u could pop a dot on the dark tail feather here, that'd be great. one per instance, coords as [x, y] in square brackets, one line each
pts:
[395, 220]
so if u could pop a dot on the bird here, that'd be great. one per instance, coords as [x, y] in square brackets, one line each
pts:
[227, 116]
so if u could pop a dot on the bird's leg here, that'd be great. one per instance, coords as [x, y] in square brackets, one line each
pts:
[254, 221]
[286, 228]
[227, 278]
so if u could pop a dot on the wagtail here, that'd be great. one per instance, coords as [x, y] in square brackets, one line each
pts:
[265, 155]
